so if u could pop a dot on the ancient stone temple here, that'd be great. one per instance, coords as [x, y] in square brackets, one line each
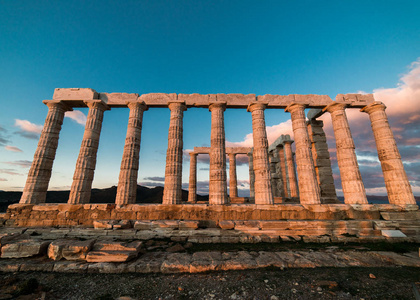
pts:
[284, 186]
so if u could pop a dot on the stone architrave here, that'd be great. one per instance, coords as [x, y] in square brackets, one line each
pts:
[192, 187]
[290, 169]
[35, 190]
[251, 175]
[308, 184]
[322, 161]
[127, 183]
[172, 192]
[86, 162]
[217, 184]
[351, 179]
[396, 181]
[263, 192]
[233, 182]
[280, 150]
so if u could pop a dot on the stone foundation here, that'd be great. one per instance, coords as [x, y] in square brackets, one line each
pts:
[68, 215]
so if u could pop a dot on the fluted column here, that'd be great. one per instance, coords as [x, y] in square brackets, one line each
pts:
[233, 182]
[172, 192]
[322, 161]
[263, 193]
[35, 190]
[291, 173]
[192, 187]
[217, 185]
[396, 181]
[283, 171]
[251, 175]
[351, 179]
[127, 183]
[86, 162]
[308, 185]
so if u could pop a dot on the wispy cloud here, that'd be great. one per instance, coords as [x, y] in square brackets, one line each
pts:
[12, 148]
[155, 178]
[77, 116]
[27, 129]
[10, 172]
[20, 163]
[3, 139]
[3, 179]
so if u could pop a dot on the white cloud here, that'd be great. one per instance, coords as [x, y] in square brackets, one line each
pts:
[76, 115]
[12, 148]
[27, 126]
[273, 132]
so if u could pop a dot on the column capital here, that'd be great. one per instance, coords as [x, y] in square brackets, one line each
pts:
[232, 155]
[99, 104]
[137, 104]
[288, 142]
[295, 106]
[57, 103]
[374, 106]
[193, 154]
[177, 105]
[215, 105]
[256, 106]
[335, 106]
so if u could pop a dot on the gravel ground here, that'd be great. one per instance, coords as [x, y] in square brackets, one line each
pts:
[319, 283]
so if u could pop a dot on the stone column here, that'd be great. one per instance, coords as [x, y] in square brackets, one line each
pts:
[251, 175]
[322, 162]
[263, 193]
[280, 150]
[127, 183]
[86, 162]
[233, 182]
[308, 184]
[192, 187]
[291, 173]
[35, 190]
[217, 185]
[351, 179]
[172, 192]
[275, 188]
[396, 181]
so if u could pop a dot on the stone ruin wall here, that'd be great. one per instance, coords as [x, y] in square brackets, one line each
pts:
[272, 169]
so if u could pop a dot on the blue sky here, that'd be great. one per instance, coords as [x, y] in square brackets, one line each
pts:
[260, 47]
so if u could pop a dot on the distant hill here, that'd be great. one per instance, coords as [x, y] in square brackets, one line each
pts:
[144, 195]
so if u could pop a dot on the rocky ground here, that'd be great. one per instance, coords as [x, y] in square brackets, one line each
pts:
[319, 283]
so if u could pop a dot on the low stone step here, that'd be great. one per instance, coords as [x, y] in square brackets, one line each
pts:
[24, 248]
[111, 256]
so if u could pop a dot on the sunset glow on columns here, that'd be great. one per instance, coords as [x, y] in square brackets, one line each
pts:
[192, 187]
[35, 190]
[308, 184]
[291, 173]
[351, 179]
[396, 181]
[283, 171]
[233, 182]
[217, 184]
[251, 175]
[86, 162]
[127, 183]
[263, 192]
[172, 192]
